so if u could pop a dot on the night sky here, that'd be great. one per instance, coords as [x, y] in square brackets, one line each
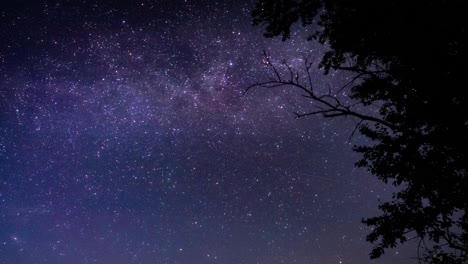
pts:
[125, 137]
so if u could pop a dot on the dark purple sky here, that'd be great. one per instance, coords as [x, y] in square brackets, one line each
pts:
[125, 138]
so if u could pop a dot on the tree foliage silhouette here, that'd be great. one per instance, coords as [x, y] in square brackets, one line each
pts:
[410, 58]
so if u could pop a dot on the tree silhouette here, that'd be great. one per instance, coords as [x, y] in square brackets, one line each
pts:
[410, 59]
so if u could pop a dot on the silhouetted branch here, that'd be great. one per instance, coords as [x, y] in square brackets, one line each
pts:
[329, 104]
[356, 127]
[358, 70]
[268, 62]
[357, 76]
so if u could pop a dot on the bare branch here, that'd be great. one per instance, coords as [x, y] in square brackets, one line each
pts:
[329, 105]
[291, 74]
[356, 127]
[357, 76]
[268, 61]
[357, 69]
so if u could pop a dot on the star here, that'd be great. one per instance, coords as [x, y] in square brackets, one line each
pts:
[126, 137]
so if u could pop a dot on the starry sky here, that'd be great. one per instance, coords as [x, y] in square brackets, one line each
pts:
[126, 137]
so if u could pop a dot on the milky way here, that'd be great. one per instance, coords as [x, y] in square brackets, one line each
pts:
[126, 137]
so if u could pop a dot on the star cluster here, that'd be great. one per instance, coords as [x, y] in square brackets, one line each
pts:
[126, 137]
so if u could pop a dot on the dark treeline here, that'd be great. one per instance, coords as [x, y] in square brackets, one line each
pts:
[410, 58]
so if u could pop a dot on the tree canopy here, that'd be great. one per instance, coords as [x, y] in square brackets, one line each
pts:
[410, 58]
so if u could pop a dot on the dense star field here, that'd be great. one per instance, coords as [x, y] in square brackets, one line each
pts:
[125, 137]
